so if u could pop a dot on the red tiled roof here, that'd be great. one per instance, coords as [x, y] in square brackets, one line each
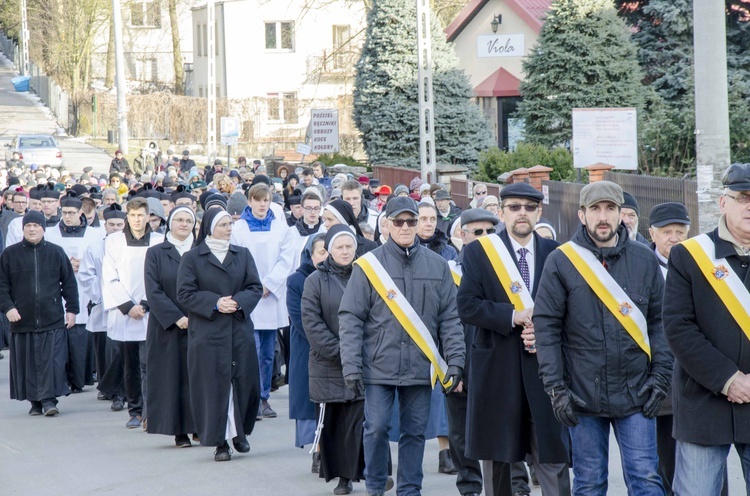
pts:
[499, 83]
[531, 11]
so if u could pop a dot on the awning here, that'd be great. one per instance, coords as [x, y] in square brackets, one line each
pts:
[499, 83]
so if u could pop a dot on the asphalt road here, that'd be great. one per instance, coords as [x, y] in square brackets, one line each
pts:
[22, 114]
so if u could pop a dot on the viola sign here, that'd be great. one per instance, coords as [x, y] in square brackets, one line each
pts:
[500, 45]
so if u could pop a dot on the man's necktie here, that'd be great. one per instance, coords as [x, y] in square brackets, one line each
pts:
[523, 267]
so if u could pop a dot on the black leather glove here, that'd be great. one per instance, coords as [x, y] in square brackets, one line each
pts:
[456, 374]
[562, 404]
[355, 383]
[658, 394]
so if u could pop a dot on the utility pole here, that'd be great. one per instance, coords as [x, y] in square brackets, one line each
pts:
[211, 81]
[24, 61]
[426, 108]
[122, 104]
[711, 106]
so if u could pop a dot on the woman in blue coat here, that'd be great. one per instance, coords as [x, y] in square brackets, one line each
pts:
[301, 408]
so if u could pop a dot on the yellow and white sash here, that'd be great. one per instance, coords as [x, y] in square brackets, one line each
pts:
[610, 293]
[505, 268]
[719, 274]
[456, 272]
[406, 316]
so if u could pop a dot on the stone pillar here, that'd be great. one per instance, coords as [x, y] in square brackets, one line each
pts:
[518, 176]
[596, 171]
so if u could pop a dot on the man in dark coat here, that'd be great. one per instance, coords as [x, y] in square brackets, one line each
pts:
[447, 211]
[222, 361]
[187, 163]
[708, 333]
[602, 354]
[35, 277]
[509, 413]
[379, 362]
[629, 214]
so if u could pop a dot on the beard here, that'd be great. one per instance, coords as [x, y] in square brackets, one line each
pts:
[521, 231]
[601, 238]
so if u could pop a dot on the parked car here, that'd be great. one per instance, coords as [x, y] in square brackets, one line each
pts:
[41, 149]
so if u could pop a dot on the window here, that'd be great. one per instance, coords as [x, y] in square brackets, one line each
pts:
[145, 14]
[199, 44]
[205, 40]
[280, 36]
[149, 70]
[282, 107]
[341, 46]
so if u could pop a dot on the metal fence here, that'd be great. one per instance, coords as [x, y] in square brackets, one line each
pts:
[462, 191]
[561, 203]
[49, 92]
[650, 191]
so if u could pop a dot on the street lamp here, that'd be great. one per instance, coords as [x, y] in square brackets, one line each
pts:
[496, 21]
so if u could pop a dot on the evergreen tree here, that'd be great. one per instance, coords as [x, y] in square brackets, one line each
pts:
[386, 100]
[583, 58]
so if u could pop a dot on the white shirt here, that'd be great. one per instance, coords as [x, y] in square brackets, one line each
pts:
[662, 260]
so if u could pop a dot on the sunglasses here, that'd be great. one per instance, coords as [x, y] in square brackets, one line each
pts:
[480, 232]
[517, 207]
[408, 222]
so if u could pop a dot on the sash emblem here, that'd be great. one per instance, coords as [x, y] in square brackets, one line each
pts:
[515, 287]
[625, 308]
[391, 294]
[720, 272]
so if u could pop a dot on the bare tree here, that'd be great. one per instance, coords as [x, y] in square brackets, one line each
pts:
[179, 74]
[109, 76]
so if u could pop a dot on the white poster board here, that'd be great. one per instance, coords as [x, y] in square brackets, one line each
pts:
[325, 130]
[230, 131]
[501, 45]
[606, 135]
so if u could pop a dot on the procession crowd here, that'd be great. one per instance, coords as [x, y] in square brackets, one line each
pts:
[184, 292]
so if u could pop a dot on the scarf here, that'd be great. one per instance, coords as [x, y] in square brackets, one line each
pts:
[219, 247]
[182, 246]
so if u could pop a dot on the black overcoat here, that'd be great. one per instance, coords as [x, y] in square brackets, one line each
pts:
[504, 386]
[709, 348]
[221, 347]
[168, 395]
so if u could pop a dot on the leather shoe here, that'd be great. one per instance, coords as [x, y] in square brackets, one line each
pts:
[240, 444]
[182, 441]
[36, 408]
[445, 463]
[133, 423]
[117, 405]
[345, 486]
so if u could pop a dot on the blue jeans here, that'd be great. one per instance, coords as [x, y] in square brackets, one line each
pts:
[701, 470]
[414, 410]
[265, 343]
[636, 436]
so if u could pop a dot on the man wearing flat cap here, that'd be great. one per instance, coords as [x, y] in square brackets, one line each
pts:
[398, 308]
[707, 322]
[509, 413]
[74, 235]
[629, 213]
[38, 295]
[603, 357]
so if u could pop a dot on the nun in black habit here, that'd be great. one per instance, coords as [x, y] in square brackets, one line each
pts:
[168, 396]
[340, 212]
[219, 285]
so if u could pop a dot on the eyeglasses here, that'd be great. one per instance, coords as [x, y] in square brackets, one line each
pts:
[479, 232]
[516, 207]
[741, 199]
[409, 222]
[311, 209]
[69, 212]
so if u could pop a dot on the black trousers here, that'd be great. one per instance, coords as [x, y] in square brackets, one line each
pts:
[469, 478]
[100, 354]
[134, 376]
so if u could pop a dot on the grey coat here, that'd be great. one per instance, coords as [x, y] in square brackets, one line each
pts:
[372, 340]
[324, 289]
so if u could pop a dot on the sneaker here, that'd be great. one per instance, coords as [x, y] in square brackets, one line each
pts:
[182, 441]
[36, 408]
[117, 404]
[50, 409]
[134, 422]
[344, 487]
[266, 410]
[223, 453]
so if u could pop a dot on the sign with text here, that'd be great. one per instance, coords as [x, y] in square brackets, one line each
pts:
[606, 135]
[230, 131]
[500, 45]
[325, 130]
[303, 149]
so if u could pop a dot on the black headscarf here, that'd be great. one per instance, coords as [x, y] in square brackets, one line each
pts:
[208, 219]
[346, 212]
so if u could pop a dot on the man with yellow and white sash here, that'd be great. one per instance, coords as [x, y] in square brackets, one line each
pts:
[603, 357]
[398, 309]
[509, 413]
[707, 323]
